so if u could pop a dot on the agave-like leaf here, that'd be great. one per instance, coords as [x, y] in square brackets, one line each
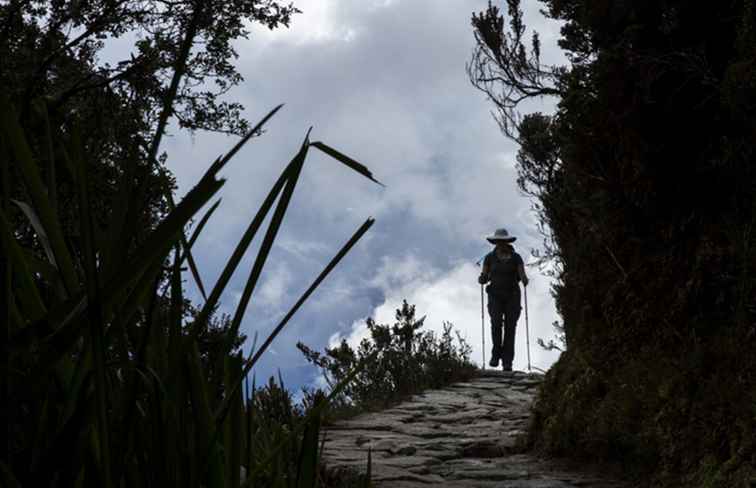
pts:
[307, 464]
[357, 166]
[15, 138]
[177, 302]
[187, 246]
[220, 415]
[41, 267]
[164, 236]
[236, 256]
[192, 265]
[220, 163]
[200, 227]
[38, 228]
[255, 130]
[26, 291]
[146, 288]
[154, 248]
[94, 306]
[267, 243]
[52, 186]
[205, 430]
[114, 250]
[188, 253]
[233, 431]
[136, 299]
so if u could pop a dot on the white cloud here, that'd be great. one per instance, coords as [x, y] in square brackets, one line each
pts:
[318, 23]
[275, 286]
[384, 82]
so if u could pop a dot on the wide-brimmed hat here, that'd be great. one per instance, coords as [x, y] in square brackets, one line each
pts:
[500, 235]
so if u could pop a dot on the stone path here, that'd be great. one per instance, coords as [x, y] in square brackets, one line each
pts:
[461, 436]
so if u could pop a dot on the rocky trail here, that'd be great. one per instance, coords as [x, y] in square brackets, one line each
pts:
[464, 435]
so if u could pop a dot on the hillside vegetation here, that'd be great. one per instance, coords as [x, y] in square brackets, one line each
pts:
[644, 181]
[110, 375]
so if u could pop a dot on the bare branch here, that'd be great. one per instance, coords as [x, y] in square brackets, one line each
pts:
[506, 70]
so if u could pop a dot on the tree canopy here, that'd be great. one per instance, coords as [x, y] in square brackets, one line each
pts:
[177, 66]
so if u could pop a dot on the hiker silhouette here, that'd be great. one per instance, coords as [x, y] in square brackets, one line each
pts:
[503, 269]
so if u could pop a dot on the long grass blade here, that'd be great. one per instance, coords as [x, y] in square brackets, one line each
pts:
[192, 265]
[177, 300]
[145, 291]
[163, 237]
[233, 429]
[343, 158]
[41, 267]
[188, 252]
[26, 291]
[154, 247]
[36, 224]
[258, 353]
[236, 256]
[94, 307]
[255, 130]
[307, 463]
[199, 228]
[52, 185]
[216, 167]
[206, 430]
[20, 148]
[114, 252]
[187, 246]
[267, 243]
[167, 232]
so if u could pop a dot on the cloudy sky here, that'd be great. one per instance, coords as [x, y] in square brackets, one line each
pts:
[384, 82]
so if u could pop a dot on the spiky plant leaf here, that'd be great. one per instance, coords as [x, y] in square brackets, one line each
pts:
[19, 146]
[343, 158]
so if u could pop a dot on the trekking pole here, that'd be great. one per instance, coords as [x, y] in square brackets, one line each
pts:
[527, 327]
[482, 327]
[482, 318]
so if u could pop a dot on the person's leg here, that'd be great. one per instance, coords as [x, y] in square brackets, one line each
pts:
[511, 314]
[495, 311]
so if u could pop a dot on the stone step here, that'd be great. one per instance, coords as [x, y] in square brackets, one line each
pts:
[465, 435]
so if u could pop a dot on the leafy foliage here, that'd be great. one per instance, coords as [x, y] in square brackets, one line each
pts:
[55, 49]
[110, 377]
[644, 182]
[399, 360]
[66, 54]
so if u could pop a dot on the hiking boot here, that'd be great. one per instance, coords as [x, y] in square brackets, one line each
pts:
[494, 362]
[506, 368]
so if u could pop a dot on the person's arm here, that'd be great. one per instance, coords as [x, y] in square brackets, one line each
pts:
[521, 271]
[484, 272]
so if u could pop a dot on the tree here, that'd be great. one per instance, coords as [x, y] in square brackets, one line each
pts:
[398, 360]
[180, 68]
[644, 181]
[52, 49]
